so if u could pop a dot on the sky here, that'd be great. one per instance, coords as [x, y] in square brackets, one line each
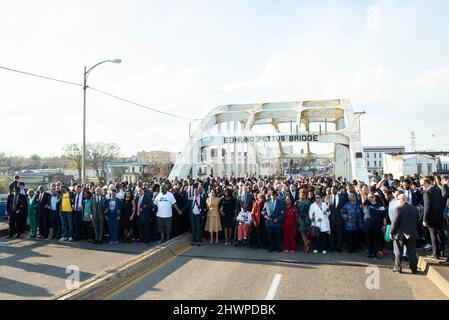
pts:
[389, 57]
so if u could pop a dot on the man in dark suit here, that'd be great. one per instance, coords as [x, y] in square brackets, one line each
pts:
[13, 184]
[78, 213]
[197, 210]
[404, 233]
[179, 220]
[274, 212]
[433, 216]
[98, 215]
[294, 192]
[144, 208]
[336, 220]
[16, 208]
[43, 212]
[412, 198]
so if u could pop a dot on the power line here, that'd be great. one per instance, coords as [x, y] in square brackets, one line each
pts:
[42, 77]
[139, 105]
[98, 90]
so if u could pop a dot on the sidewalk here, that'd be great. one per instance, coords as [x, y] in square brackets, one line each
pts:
[436, 272]
[4, 227]
[36, 269]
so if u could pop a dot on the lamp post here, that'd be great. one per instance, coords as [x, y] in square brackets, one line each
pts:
[86, 75]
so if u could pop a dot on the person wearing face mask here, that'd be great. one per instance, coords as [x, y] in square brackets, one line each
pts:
[351, 214]
[374, 222]
[113, 211]
[319, 215]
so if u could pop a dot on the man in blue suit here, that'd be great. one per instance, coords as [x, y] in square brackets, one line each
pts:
[274, 212]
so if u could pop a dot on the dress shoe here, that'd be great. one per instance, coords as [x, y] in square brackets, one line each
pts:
[18, 236]
[397, 270]
[10, 236]
[433, 257]
[339, 250]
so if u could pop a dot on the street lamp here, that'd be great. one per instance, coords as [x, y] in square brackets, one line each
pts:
[86, 75]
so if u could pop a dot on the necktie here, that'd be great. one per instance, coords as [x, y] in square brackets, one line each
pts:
[14, 208]
[140, 202]
[40, 197]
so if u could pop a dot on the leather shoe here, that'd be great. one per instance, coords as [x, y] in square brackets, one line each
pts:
[10, 236]
[397, 270]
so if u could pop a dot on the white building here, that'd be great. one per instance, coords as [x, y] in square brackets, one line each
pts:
[409, 164]
[374, 157]
[443, 164]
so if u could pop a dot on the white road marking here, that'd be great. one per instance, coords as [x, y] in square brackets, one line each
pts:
[274, 287]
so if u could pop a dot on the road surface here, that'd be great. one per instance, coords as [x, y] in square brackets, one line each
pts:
[220, 272]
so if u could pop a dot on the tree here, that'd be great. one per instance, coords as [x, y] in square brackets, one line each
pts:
[73, 152]
[34, 162]
[4, 183]
[99, 156]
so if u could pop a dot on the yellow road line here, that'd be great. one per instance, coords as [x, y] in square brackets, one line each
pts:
[142, 275]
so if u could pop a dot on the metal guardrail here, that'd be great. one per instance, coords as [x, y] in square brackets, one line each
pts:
[3, 198]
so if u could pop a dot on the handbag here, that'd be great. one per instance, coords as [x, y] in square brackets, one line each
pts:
[313, 231]
[387, 233]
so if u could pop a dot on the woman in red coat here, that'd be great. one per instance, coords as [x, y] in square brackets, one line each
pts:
[289, 225]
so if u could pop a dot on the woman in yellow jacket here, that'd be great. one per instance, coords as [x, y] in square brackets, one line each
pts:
[32, 213]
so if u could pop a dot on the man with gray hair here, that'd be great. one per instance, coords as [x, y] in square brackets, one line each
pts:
[98, 211]
[404, 233]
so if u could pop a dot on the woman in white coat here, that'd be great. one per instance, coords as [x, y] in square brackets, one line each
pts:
[319, 215]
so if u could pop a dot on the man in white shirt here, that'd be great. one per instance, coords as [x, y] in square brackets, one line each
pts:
[196, 208]
[165, 201]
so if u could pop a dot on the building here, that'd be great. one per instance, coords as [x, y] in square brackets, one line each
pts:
[374, 157]
[443, 164]
[409, 164]
[246, 131]
[126, 171]
[160, 163]
[156, 157]
[34, 178]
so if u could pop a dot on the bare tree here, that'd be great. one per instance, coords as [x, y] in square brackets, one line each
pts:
[99, 156]
[34, 162]
[73, 152]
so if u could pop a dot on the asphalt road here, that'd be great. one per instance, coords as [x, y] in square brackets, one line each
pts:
[36, 269]
[221, 273]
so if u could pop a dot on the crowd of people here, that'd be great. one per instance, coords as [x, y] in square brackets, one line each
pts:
[275, 213]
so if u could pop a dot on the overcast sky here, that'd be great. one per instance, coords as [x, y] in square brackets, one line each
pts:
[390, 58]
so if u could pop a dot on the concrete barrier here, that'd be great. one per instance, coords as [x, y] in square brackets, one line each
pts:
[111, 280]
[432, 271]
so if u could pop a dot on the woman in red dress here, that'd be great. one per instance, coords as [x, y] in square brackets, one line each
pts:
[289, 225]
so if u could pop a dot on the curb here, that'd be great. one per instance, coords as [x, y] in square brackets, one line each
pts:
[108, 281]
[4, 227]
[432, 273]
